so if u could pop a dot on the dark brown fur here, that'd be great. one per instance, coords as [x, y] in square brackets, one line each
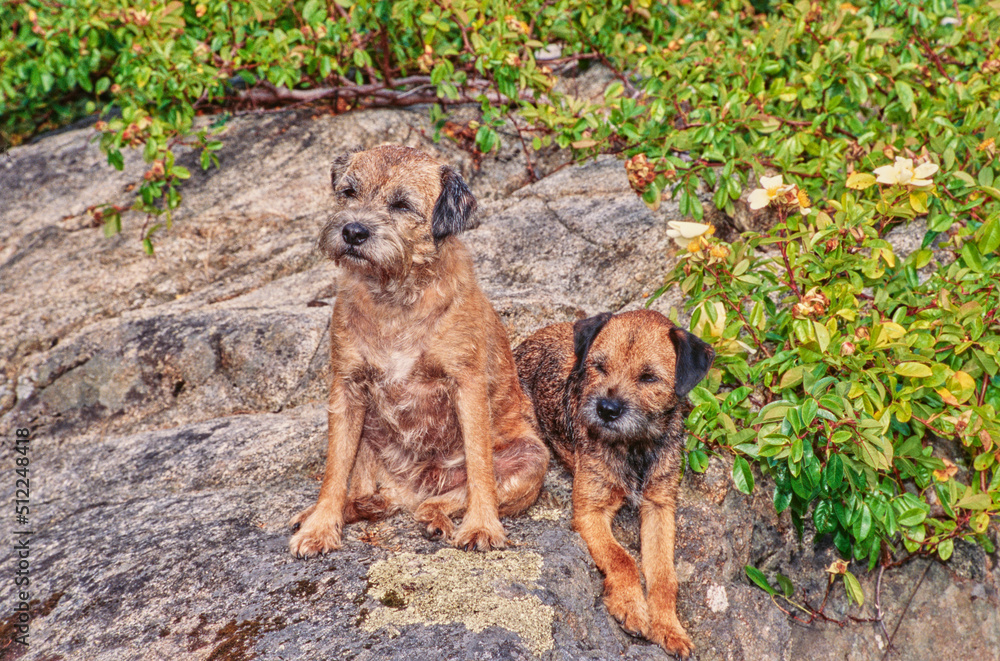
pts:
[638, 368]
[426, 413]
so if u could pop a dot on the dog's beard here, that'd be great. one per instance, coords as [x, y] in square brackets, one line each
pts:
[382, 258]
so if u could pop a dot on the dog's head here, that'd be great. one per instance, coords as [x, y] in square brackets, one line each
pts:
[630, 370]
[394, 207]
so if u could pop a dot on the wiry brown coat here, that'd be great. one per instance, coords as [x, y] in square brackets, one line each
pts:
[607, 393]
[425, 413]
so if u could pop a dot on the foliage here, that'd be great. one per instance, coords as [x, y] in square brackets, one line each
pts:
[864, 384]
[706, 90]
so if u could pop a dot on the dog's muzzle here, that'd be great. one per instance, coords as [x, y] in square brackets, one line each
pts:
[355, 234]
[610, 409]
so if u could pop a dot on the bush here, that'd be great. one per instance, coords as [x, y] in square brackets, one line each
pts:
[851, 377]
[707, 91]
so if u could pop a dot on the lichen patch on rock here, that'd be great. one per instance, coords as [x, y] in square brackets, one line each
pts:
[479, 590]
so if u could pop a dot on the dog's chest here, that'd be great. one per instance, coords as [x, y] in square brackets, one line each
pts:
[411, 402]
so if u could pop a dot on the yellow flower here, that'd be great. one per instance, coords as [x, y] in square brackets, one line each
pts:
[685, 233]
[772, 188]
[903, 173]
[805, 206]
[989, 146]
[719, 252]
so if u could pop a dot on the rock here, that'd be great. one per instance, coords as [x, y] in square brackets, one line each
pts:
[177, 413]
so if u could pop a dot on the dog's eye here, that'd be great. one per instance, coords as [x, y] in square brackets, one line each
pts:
[600, 368]
[348, 193]
[649, 377]
[401, 205]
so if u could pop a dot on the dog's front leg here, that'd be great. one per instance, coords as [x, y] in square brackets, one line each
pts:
[595, 502]
[321, 524]
[480, 527]
[657, 538]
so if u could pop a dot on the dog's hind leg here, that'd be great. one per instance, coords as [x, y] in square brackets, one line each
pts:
[437, 511]
[364, 502]
[520, 467]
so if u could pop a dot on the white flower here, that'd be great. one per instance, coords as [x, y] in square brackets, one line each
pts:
[903, 173]
[772, 188]
[684, 233]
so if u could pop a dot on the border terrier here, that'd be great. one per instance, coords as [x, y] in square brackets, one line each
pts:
[608, 393]
[426, 413]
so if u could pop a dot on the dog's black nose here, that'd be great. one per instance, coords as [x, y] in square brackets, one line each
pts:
[355, 234]
[610, 410]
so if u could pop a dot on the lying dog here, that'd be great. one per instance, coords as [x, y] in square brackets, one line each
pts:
[608, 392]
[425, 413]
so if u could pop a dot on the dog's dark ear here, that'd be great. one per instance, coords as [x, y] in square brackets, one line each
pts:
[455, 208]
[584, 333]
[694, 358]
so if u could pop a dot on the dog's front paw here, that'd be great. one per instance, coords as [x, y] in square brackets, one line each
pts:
[671, 637]
[318, 533]
[627, 605]
[297, 520]
[480, 536]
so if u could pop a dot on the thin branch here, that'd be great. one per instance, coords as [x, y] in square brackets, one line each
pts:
[905, 607]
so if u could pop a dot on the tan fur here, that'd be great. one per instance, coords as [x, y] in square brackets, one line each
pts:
[632, 360]
[426, 413]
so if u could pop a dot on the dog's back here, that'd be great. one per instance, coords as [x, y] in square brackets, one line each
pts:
[544, 362]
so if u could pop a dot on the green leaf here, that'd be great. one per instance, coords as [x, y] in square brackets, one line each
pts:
[791, 378]
[116, 159]
[972, 258]
[782, 499]
[860, 180]
[985, 177]
[834, 472]
[905, 93]
[913, 370]
[824, 518]
[863, 526]
[786, 584]
[853, 588]
[912, 517]
[757, 576]
[989, 236]
[946, 548]
[979, 501]
[742, 476]
[698, 461]
[822, 336]
[964, 177]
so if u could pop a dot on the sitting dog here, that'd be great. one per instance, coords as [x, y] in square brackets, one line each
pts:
[607, 393]
[426, 412]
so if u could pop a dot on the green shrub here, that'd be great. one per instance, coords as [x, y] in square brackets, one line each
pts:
[865, 385]
[707, 90]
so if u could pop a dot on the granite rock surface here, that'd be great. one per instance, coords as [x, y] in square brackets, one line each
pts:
[176, 404]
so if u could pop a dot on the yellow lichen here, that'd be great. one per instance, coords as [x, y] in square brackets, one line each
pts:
[479, 590]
